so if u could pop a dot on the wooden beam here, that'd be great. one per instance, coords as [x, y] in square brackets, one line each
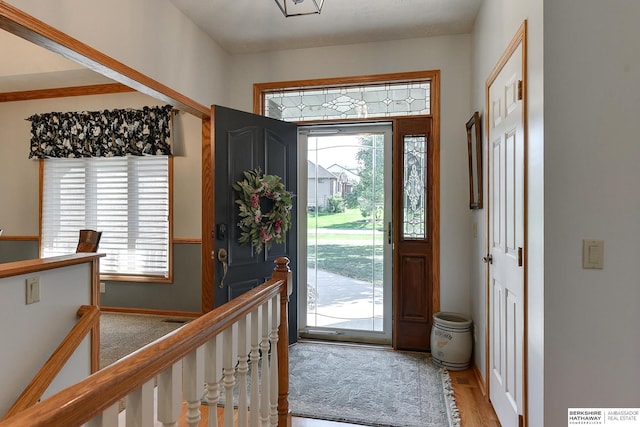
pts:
[63, 92]
[29, 28]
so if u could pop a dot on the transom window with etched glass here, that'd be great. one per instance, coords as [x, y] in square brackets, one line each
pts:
[360, 101]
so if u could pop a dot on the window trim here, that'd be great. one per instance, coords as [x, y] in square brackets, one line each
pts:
[259, 89]
[121, 277]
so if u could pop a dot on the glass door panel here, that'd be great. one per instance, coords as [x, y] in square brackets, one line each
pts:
[348, 249]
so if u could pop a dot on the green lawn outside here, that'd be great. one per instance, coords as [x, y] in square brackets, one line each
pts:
[346, 253]
[349, 261]
[336, 236]
[352, 219]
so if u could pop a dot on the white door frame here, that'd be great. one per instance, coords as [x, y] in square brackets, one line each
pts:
[519, 40]
[385, 336]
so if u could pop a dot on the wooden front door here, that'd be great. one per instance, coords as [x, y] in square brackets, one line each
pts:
[506, 152]
[243, 142]
[416, 290]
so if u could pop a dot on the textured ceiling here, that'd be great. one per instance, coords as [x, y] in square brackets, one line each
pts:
[249, 26]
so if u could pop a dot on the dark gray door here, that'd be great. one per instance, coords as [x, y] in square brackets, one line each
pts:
[243, 142]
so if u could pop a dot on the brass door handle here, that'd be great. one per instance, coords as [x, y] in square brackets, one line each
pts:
[222, 257]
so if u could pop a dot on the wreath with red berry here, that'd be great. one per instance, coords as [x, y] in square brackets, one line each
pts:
[264, 209]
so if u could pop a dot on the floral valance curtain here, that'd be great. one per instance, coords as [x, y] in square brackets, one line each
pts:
[106, 133]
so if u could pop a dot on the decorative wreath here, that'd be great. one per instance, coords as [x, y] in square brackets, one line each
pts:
[265, 209]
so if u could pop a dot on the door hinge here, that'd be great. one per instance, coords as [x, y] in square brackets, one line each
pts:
[519, 257]
[520, 89]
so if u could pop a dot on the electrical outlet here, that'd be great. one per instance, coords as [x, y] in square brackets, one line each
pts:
[103, 287]
[33, 290]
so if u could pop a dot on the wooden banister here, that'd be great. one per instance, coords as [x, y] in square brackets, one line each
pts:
[16, 268]
[283, 272]
[80, 403]
[89, 316]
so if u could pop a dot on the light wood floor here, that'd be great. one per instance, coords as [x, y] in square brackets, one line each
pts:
[475, 410]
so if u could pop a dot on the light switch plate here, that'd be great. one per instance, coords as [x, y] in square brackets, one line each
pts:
[33, 290]
[593, 254]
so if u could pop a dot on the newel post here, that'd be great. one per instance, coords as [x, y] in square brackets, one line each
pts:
[282, 272]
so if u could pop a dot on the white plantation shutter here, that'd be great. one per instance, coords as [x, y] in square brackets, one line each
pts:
[126, 198]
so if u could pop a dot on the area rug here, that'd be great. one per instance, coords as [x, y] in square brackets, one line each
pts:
[369, 386]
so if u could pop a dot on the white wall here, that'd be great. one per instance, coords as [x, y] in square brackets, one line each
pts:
[151, 36]
[32, 332]
[583, 340]
[592, 99]
[142, 42]
[19, 182]
[28, 58]
[496, 24]
[186, 60]
[451, 55]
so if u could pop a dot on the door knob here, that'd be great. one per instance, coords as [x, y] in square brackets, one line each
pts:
[488, 259]
[222, 258]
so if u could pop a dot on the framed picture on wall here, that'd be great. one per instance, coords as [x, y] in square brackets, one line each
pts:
[474, 148]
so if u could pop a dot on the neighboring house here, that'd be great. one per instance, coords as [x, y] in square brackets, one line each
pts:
[581, 164]
[322, 184]
[347, 178]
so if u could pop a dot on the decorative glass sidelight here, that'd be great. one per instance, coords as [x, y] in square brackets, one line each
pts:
[414, 185]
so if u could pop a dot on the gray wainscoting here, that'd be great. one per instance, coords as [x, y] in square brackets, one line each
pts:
[184, 294]
[18, 250]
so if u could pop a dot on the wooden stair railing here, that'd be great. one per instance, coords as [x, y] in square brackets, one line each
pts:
[89, 316]
[257, 318]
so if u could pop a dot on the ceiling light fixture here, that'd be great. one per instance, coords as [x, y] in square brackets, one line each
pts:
[299, 7]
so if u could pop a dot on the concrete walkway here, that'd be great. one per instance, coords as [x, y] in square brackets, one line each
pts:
[343, 303]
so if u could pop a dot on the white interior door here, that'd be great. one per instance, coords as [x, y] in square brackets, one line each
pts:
[506, 233]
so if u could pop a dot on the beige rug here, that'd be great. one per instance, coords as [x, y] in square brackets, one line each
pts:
[369, 386]
[122, 334]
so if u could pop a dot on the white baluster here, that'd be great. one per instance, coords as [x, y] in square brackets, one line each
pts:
[211, 378]
[243, 368]
[273, 363]
[254, 412]
[192, 387]
[170, 395]
[265, 407]
[108, 418]
[228, 375]
[139, 406]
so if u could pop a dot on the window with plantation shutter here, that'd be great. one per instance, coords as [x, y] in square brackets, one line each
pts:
[126, 198]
